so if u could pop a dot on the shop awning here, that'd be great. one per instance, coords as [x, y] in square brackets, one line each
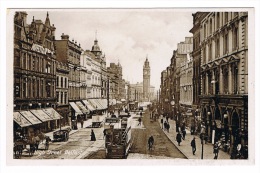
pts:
[52, 113]
[41, 115]
[82, 107]
[95, 104]
[104, 103]
[75, 107]
[29, 116]
[89, 106]
[20, 120]
[99, 102]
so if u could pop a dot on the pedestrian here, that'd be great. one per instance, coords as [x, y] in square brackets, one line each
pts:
[162, 122]
[47, 142]
[150, 142]
[105, 133]
[193, 146]
[183, 134]
[139, 121]
[165, 125]
[168, 127]
[178, 138]
[141, 114]
[82, 123]
[215, 150]
[93, 137]
[183, 130]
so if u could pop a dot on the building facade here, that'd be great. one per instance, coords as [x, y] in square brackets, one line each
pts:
[116, 81]
[62, 92]
[196, 54]
[224, 77]
[186, 89]
[86, 62]
[34, 69]
[69, 52]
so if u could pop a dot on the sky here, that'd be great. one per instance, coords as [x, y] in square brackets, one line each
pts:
[127, 36]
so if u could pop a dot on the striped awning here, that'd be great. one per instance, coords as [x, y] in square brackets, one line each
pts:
[99, 102]
[104, 103]
[29, 116]
[89, 106]
[95, 104]
[52, 113]
[41, 115]
[75, 107]
[20, 120]
[82, 107]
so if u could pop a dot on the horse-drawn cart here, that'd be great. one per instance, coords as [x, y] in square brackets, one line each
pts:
[24, 143]
[61, 135]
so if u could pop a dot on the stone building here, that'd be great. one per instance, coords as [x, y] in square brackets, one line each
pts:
[69, 52]
[196, 79]
[224, 76]
[186, 89]
[62, 91]
[34, 75]
[116, 81]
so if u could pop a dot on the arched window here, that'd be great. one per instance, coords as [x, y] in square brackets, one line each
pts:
[225, 79]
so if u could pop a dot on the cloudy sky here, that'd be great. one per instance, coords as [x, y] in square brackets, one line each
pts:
[125, 35]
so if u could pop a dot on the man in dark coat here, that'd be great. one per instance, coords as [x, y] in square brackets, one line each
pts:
[93, 137]
[193, 146]
[178, 138]
[150, 142]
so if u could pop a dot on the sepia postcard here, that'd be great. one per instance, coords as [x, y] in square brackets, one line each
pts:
[130, 86]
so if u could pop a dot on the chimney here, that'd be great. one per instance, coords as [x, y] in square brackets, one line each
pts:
[64, 37]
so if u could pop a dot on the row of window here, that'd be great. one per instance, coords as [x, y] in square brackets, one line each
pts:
[62, 82]
[62, 97]
[216, 21]
[33, 88]
[221, 46]
[36, 63]
[218, 82]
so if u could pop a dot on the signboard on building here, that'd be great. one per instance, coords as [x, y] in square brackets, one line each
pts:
[40, 49]
[112, 120]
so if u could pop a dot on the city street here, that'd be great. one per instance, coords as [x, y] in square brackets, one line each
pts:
[79, 145]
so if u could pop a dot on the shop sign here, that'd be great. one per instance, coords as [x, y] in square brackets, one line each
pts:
[40, 49]
[112, 120]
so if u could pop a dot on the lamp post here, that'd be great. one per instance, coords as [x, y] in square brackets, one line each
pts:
[202, 134]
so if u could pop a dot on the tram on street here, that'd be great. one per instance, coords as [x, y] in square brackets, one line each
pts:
[118, 137]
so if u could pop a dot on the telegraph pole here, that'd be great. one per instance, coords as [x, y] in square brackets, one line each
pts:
[107, 95]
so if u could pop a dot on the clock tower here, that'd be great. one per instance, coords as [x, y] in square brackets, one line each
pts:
[146, 80]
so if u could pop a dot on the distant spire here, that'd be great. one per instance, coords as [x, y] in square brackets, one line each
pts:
[33, 18]
[96, 35]
[47, 14]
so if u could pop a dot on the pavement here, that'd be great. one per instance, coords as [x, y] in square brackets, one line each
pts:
[185, 146]
[86, 124]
